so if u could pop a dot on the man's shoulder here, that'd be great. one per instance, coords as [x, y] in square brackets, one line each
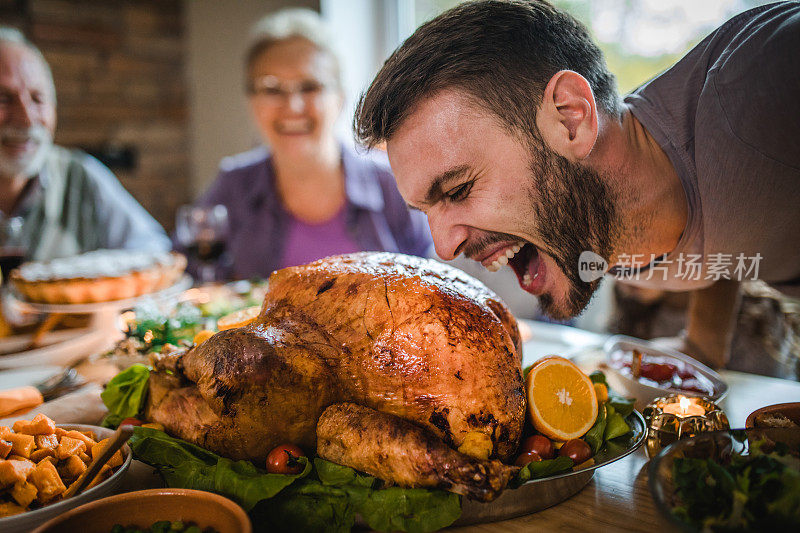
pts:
[75, 168]
[743, 40]
[756, 82]
[63, 156]
[742, 79]
[756, 45]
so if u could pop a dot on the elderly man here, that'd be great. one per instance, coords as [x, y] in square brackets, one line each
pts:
[503, 124]
[68, 201]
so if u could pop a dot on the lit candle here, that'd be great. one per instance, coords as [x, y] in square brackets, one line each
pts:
[678, 417]
[684, 407]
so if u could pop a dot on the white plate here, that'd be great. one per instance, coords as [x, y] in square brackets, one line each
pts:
[62, 348]
[555, 339]
[11, 379]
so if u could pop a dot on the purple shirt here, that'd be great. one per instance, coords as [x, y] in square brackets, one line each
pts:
[306, 242]
[375, 215]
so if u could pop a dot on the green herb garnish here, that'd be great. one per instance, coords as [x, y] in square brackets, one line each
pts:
[755, 492]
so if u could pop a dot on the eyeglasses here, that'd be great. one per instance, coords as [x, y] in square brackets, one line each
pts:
[274, 91]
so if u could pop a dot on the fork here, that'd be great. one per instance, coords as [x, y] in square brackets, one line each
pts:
[29, 396]
[60, 384]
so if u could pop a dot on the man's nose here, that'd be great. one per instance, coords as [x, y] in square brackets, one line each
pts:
[447, 237]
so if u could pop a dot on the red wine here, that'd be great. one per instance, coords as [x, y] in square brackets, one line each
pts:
[10, 258]
[206, 251]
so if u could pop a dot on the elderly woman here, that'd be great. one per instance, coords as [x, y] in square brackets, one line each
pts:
[307, 196]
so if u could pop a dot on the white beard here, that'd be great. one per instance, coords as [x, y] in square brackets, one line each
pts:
[29, 164]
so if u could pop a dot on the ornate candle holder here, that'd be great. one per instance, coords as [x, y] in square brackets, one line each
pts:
[675, 417]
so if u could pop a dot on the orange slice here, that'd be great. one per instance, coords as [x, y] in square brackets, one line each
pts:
[239, 318]
[561, 399]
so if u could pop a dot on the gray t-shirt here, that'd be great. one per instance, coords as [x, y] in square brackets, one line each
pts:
[728, 117]
[77, 205]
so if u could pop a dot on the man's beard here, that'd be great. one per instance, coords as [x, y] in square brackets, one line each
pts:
[30, 164]
[575, 212]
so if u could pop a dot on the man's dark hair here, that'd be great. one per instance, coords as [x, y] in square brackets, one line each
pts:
[501, 54]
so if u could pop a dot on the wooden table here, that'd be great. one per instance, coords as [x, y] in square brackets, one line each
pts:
[618, 498]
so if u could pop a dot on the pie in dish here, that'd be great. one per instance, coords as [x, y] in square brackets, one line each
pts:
[98, 276]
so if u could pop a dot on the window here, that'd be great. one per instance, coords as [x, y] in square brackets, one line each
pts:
[639, 38]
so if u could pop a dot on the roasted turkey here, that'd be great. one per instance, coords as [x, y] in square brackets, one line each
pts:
[398, 366]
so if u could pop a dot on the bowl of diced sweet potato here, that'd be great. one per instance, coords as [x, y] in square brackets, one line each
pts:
[39, 460]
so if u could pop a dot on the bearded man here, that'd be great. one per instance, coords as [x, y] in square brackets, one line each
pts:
[503, 124]
[68, 202]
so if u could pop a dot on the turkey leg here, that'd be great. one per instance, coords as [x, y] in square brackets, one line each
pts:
[390, 447]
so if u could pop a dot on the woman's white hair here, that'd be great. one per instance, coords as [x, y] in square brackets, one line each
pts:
[286, 24]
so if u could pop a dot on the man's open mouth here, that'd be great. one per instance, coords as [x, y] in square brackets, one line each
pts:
[526, 262]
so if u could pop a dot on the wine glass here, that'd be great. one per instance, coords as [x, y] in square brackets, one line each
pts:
[203, 232]
[12, 249]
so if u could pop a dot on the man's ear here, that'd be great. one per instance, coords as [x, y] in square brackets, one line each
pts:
[567, 118]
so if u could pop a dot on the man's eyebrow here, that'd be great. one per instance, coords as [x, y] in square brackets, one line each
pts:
[439, 182]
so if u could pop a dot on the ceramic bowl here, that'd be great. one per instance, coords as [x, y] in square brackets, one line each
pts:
[143, 508]
[627, 386]
[789, 410]
[25, 522]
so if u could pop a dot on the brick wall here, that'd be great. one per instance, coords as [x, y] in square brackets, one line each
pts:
[119, 68]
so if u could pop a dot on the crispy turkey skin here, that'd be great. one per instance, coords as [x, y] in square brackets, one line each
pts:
[390, 447]
[400, 335]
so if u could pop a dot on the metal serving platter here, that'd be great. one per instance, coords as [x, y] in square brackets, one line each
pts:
[539, 494]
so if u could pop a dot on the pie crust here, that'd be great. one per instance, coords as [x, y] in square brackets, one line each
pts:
[98, 276]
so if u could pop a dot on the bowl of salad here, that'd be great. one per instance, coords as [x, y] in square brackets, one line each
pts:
[733, 480]
[154, 511]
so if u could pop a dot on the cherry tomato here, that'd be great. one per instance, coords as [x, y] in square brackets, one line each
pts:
[283, 460]
[577, 450]
[539, 444]
[527, 457]
[131, 421]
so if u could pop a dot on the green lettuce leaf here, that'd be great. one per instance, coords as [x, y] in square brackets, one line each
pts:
[598, 377]
[327, 501]
[305, 506]
[413, 510]
[540, 469]
[332, 474]
[549, 467]
[125, 393]
[188, 466]
[623, 406]
[594, 437]
[616, 426]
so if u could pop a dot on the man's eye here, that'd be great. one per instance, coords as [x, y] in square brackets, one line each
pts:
[459, 193]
